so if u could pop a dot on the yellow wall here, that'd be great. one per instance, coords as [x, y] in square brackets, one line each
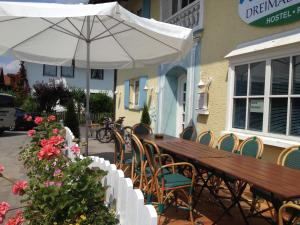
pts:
[134, 116]
[223, 31]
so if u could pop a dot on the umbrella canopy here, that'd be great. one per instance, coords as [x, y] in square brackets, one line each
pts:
[88, 36]
[56, 34]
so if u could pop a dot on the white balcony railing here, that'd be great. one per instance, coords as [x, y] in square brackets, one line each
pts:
[190, 16]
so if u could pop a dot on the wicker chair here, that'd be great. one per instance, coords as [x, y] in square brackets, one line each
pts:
[206, 138]
[228, 143]
[288, 207]
[292, 158]
[141, 129]
[119, 154]
[138, 161]
[188, 133]
[166, 181]
[252, 146]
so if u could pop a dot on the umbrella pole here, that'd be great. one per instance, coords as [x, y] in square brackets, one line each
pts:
[88, 74]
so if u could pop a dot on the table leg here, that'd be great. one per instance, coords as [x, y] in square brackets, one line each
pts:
[235, 201]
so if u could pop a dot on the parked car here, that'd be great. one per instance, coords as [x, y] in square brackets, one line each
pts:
[21, 123]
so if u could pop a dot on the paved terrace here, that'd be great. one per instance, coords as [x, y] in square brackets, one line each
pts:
[9, 149]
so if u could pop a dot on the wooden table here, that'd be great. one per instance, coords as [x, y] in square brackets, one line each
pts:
[282, 183]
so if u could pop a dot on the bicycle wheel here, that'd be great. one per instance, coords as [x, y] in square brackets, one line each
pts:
[104, 135]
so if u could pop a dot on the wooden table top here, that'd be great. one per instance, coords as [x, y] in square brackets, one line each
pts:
[281, 181]
[185, 148]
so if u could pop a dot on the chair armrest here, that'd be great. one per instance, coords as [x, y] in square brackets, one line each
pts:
[179, 164]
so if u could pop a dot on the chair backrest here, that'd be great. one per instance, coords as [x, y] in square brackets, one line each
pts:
[206, 138]
[283, 153]
[137, 151]
[187, 133]
[119, 148]
[141, 128]
[151, 150]
[228, 142]
[292, 158]
[252, 146]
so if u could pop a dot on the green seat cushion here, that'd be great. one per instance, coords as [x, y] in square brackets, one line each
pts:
[250, 148]
[176, 180]
[227, 144]
[205, 139]
[149, 173]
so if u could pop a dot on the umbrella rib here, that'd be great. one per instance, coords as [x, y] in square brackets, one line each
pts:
[147, 35]
[113, 34]
[75, 27]
[18, 18]
[92, 26]
[95, 37]
[36, 34]
[78, 38]
[133, 61]
[64, 30]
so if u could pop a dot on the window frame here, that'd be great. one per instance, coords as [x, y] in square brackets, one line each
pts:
[73, 72]
[97, 78]
[255, 57]
[47, 75]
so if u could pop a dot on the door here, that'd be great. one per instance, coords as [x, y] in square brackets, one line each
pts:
[181, 104]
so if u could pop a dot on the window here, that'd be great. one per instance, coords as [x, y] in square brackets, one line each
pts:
[136, 91]
[49, 70]
[67, 71]
[266, 96]
[97, 74]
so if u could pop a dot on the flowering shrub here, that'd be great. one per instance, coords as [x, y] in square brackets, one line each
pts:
[59, 191]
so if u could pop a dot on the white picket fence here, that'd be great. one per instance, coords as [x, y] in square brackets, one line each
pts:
[127, 201]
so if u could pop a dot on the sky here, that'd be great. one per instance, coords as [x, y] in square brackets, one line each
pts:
[9, 63]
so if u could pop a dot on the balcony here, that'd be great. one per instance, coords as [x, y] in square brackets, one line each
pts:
[190, 16]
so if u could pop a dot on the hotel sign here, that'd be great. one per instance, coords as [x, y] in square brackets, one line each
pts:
[264, 13]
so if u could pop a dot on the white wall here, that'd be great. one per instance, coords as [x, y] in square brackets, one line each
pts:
[35, 74]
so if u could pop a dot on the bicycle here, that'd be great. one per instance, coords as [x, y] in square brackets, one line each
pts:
[105, 134]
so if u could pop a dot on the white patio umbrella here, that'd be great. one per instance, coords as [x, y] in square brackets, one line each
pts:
[88, 36]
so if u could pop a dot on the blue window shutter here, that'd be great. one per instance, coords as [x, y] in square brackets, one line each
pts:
[146, 8]
[126, 93]
[143, 93]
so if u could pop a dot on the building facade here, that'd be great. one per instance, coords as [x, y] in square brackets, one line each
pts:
[241, 76]
[100, 80]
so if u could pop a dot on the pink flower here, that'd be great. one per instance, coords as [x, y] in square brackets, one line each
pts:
[4, 207]
[51, 118]
[1, 168]
[30, 133]
[19, 187]
[18, 219]
[75, 149]
[55, 131]
[47, 152]
[28, 118]
[38, 120]
[52, 183]
[57, 173]
[54, 140]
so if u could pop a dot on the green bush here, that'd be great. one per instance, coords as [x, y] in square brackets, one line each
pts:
[145, 119]
[100, 102]
[61, 191]
[30, 104]
[71, 119]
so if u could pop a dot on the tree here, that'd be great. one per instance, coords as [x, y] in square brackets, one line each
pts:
[100, 102]
[71, 119]
[145, 116]
[30, 104]
[21, 87]
[48, 94]
[79, 96]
